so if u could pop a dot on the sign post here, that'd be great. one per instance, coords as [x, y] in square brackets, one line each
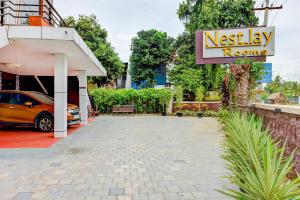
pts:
[224, 46]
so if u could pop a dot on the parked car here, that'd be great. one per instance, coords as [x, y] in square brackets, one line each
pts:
[30, 108]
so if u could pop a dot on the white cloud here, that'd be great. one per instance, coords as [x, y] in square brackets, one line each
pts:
[124, 18]
[286, 61]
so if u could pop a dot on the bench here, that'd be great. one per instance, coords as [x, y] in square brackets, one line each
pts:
[123, 109]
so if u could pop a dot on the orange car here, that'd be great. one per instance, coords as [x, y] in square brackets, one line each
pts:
[29, 108]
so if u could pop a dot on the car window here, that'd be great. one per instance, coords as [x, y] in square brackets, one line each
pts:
[4, 97]
[21, 99]
[42, 97]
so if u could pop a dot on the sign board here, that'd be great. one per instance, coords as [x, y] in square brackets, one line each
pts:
[226, 45]
[268, 73]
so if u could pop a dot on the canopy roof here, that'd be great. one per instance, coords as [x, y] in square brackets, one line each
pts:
[28, 50]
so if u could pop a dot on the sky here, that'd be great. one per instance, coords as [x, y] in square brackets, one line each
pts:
[124, 18]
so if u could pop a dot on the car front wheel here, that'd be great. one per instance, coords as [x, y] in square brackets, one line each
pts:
[45, 123]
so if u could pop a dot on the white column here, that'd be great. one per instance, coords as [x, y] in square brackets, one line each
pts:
[17, 82]
[60, 95]
[83, 97]
[1, 81]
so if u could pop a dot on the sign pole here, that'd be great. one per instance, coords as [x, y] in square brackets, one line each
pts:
[266, 13]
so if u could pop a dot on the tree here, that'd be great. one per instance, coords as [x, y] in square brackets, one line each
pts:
[288, 88]
[96, 39]
[212, 14]
[207, 14]
[246, 73]
[150, 49]
[189, 79]
[275, 86]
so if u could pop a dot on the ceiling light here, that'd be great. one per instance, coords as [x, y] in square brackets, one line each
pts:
[12, 65]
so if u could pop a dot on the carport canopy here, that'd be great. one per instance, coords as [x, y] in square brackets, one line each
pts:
[50, 51]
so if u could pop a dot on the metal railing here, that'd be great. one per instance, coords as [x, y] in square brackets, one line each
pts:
[12, 13]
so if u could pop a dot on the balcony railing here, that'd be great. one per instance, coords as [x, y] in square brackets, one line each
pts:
[13, 13]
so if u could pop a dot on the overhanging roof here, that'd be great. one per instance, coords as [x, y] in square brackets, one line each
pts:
[33, 48]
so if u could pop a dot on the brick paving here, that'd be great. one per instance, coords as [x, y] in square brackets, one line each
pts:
[121, 158]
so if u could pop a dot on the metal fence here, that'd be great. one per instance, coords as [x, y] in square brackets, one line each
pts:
[17, 12]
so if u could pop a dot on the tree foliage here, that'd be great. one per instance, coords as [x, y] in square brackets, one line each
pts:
[288, 88]
[212, 14]
[95, 37]
[150, 49]
[206, 14]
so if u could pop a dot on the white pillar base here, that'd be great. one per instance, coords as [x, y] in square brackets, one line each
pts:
[62, 134]
[60, 96]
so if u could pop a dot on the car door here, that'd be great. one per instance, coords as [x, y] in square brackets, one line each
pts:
[20, 113]
[5, 107]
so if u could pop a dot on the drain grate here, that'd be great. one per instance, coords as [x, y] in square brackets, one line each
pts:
[116, 191]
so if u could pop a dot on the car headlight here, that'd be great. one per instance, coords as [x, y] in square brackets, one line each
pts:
[71, 111]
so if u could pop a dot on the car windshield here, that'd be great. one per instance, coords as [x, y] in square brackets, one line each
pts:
[42, 97]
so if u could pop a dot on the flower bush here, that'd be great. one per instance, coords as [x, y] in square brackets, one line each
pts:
[191, 107]
[145, 101]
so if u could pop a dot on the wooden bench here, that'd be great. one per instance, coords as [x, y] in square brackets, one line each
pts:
[123, 109]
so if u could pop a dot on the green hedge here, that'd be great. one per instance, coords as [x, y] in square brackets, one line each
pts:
[145, 100]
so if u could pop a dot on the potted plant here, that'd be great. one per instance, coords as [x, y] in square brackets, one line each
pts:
[200, 114]
[200, 108]
[179, 114]
[164, 101]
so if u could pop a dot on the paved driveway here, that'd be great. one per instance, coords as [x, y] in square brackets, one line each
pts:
[144, 157]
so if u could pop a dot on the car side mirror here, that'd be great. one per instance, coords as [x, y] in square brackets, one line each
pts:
[28, 103]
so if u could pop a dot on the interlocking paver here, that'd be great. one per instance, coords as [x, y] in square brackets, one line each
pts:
[116, 191]
[126, 158]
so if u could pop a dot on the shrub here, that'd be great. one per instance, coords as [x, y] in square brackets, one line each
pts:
[258, 166]
[200, 94]
[189, 113]
[211, 113]
[179, 94]
[264, 96]
[223, 114]
[145, 101]
[213, 96]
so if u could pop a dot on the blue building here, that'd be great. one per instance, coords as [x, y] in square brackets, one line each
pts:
[160, 78]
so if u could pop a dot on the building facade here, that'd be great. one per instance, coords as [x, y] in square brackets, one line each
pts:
[39, 52]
